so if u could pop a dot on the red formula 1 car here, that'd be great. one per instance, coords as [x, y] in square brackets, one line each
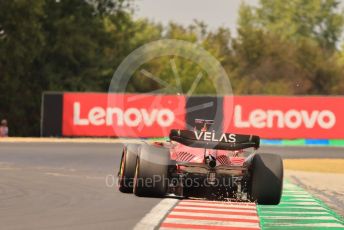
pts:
[202, 163]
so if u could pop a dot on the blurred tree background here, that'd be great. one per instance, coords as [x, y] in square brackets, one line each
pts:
[282, 48]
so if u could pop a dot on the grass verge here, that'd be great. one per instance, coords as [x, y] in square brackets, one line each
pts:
[315, 165]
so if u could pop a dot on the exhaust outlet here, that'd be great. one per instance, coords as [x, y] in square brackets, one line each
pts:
[212, 163]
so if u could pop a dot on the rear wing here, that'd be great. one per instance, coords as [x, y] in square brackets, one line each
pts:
[212, 140]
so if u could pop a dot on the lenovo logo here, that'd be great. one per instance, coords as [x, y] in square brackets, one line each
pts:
[291, 119]
[131, 117]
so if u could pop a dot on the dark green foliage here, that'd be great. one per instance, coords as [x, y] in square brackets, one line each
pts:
[51, 45]
[283, 48]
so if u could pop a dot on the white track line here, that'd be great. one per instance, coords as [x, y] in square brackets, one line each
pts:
[292, 194]
[299, 217]
[215, 215]
[221, 206]
[295, 213]
[216, 209]
[317, 225]
[190, 214]
[221, 202]
[152, 219]
[211, 223]
[67, 140]
[297, 196]
[277, 209]
[301, 203]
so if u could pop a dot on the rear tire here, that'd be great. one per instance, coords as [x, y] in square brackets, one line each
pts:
[266, 178]
[151, 174]
[127, 168]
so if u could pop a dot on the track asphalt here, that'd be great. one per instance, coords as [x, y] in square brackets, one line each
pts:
[72, 186]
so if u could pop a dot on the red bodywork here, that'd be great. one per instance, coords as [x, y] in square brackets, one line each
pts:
[183, 153]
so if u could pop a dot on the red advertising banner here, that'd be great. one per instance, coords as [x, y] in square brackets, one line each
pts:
[123, 115]
[144, 115]
[276, 117]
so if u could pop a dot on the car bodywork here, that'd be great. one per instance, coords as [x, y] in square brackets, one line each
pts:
[203, 163]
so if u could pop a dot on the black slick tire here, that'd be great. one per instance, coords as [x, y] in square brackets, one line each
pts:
[127, 168]
[266, 179]
[151, 174]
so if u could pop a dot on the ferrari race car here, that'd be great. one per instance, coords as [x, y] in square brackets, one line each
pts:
[202, 163]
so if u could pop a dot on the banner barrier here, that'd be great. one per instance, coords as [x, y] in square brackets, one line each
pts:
[145, 115]
[122, 115]
[287, 117]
